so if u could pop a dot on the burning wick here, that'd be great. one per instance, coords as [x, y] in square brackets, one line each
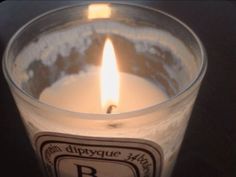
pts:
[109, 78]
[110, 108]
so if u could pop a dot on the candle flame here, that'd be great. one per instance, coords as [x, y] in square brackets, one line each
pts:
[99, 11]
[110, 83]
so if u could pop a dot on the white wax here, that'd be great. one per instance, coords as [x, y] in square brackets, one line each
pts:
[81, 93]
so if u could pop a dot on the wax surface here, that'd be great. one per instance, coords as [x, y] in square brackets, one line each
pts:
[81, 93]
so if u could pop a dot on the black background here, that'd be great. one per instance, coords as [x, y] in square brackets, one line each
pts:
[209, 147]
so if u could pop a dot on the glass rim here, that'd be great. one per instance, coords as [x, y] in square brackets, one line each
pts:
[98, 116]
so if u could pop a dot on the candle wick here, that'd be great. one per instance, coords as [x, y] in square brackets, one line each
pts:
[110, 108]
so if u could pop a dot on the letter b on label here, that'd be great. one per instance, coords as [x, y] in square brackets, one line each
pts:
[85, 171]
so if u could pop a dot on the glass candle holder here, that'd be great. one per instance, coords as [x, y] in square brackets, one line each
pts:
[149, 44]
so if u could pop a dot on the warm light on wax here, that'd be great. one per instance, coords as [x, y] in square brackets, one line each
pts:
[109, 77]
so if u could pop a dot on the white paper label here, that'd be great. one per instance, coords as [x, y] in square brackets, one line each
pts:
[78, 156]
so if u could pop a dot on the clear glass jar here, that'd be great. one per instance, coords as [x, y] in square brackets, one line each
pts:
[150, 44]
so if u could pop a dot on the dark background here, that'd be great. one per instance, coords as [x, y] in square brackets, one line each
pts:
[209, 147]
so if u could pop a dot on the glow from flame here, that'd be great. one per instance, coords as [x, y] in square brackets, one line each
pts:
[110, 80]
[99, 11]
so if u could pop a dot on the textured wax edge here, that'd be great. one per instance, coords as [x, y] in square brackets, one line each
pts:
[50, 45]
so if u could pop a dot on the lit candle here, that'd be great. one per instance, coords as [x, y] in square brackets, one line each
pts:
[91, 120]
[104, 91]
